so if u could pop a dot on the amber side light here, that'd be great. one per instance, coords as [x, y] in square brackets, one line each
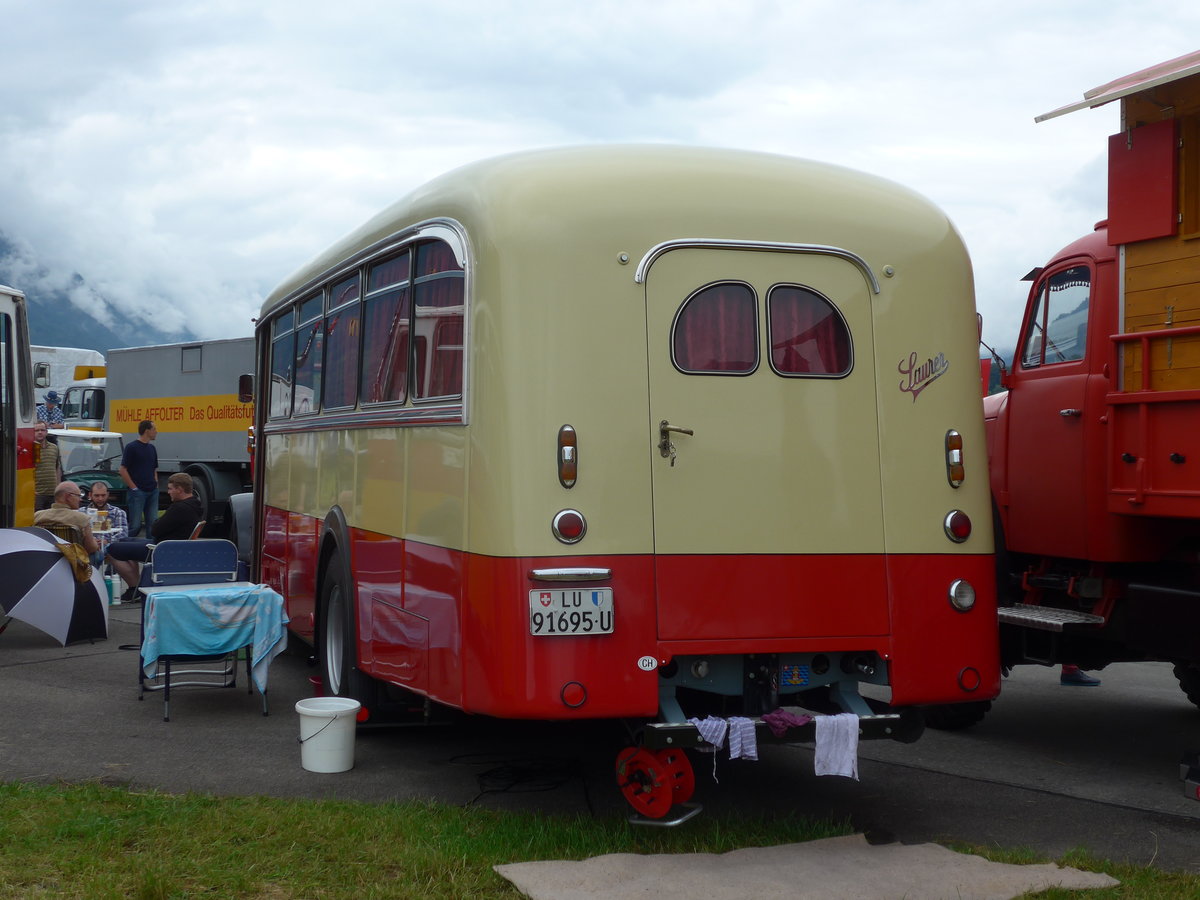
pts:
[568, 456]
[955, 472]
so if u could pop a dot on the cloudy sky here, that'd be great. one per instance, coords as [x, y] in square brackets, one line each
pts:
[184, 156]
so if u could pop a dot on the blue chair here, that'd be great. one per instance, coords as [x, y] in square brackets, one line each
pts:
[182, 565]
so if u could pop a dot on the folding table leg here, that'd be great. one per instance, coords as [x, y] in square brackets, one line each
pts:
[167, 691]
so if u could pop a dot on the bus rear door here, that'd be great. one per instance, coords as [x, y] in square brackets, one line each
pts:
[768, 515]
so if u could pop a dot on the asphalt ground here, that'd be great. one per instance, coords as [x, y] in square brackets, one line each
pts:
[1051, 768]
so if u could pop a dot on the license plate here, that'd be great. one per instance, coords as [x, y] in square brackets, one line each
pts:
[566, 612]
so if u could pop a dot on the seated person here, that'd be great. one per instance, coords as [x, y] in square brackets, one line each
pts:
[65, 511]
[176, 524]
[98, 510]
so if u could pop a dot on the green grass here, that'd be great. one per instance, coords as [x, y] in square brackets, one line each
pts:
[91, 841]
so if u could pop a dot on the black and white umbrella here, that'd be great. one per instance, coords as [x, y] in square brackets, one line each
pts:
[40, 589]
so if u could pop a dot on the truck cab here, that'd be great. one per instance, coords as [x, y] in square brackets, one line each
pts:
[1048, 434]
[1094, 448]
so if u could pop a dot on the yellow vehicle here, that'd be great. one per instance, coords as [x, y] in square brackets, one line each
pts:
[17, 412]
[637, 432]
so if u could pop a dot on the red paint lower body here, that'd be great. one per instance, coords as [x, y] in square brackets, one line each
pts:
[454, 626]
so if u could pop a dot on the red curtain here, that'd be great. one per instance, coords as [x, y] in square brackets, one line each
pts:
[717, 331]
[808, 335]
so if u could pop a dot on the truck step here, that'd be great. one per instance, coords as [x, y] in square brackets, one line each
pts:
[1045, 618]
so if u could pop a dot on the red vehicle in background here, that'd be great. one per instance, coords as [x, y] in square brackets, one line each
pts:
[1094, 447]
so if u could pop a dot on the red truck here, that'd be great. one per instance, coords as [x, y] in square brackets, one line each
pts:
[1095, 445]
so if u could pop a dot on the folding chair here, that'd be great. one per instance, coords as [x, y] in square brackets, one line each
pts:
[180, 566]
[68, 533]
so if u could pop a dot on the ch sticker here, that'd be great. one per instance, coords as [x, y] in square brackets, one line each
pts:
[647, 663]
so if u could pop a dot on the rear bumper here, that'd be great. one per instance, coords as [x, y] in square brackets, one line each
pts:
[904, 726]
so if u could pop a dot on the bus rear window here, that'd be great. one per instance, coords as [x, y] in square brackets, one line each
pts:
[716, 331]
[807, 333]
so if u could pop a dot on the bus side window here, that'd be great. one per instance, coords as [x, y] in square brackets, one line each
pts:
[341, 345]
[438, 302]
[282, 355]
[386, 314]
[716, 331]
[807, 333]
[310, 338]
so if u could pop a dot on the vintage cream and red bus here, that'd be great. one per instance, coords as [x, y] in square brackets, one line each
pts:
[615, 431]
[17, 412]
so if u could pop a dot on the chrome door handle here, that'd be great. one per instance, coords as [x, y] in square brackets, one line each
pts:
[665, 447]
[1070, 413]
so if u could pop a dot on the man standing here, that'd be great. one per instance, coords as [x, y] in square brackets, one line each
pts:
[139, 471]
[110, 520]
[50, 412]
[65, 511]
[46, 468]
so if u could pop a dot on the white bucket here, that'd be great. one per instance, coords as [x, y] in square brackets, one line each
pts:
[327, 733]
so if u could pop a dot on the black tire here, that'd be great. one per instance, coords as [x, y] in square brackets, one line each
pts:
[956, 716]
[1188, 676]
[203, 492]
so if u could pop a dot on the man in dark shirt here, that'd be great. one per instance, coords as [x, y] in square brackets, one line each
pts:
[176, 524]
[139, 471]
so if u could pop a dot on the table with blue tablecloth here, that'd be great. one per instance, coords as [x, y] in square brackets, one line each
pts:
[200, 620]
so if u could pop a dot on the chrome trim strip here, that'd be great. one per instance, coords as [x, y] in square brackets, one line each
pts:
[446, 229]
[643, 267]
[385, 418]
[569, 574]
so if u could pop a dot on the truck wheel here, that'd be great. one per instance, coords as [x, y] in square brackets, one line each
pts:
[956, 716]
[1188, 675]
[203, 493]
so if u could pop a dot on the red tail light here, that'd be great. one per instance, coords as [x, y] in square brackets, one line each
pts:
[569, 526]
[957, 525]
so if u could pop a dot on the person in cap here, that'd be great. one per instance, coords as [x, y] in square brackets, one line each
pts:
[50, 412]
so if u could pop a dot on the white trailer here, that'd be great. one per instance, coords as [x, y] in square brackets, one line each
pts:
[57, 368]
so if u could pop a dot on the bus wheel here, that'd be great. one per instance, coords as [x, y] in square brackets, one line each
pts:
[644, 781]
[336, 641]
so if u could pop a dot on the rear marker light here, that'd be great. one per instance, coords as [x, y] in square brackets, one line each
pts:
[962, 595]
[957, 525]
[569, 526]
[955, 473]
[568, 456]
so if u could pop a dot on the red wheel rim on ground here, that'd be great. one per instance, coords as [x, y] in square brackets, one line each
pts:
[677, 769]
[643, 781]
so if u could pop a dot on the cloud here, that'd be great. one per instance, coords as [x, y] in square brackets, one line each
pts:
[179, 159]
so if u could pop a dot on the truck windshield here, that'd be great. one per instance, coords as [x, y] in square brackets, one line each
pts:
[1058, 326]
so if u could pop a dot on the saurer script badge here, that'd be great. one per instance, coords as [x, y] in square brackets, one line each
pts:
[919, 375]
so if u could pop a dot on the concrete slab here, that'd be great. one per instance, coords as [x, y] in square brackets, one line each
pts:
[835, 867]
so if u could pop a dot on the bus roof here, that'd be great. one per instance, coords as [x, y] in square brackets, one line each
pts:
[628, 198]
